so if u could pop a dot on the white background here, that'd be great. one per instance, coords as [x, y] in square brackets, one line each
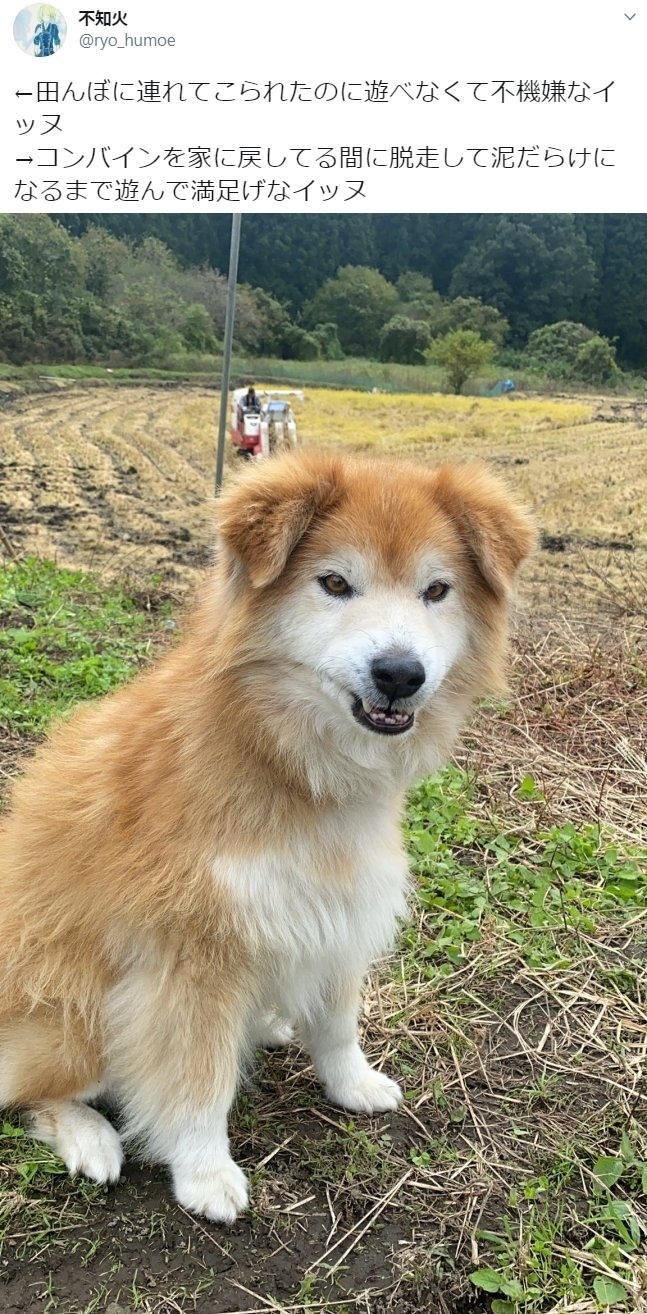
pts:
[558, 40]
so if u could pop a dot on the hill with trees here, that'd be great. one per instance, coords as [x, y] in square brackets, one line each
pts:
[534, 269]
[147, 290]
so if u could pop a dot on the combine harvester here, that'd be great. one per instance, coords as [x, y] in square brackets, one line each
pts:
[270, 426]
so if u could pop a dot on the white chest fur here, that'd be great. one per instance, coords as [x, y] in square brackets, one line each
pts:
[324, 907]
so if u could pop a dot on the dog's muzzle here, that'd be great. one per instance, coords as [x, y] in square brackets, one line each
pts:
[396, 678]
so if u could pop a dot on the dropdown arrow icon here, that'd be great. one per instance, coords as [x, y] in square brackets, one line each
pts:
[630, 16]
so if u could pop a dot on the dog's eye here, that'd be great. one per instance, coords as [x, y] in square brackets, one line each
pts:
[436, 592]
[336, 585]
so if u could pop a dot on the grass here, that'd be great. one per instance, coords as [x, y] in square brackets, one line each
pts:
[65, 636]
[530, 888]
[514, 1011]
[352, 373]
[524, 974]
[29, 1174]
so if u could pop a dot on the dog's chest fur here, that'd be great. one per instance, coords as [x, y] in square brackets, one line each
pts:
[325, 905]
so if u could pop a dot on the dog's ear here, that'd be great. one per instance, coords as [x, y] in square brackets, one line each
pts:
[265, 513]
[499, 533]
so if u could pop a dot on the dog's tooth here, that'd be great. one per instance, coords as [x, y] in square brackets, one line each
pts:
[367, 706]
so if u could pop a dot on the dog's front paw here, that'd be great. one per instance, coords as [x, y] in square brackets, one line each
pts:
[366, 1092]
[96, 1153]
[83, 1139]
[220, 1194]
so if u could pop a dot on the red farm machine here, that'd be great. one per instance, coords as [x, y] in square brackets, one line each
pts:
[263, 422]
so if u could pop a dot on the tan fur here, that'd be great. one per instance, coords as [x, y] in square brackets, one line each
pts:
[124, 958]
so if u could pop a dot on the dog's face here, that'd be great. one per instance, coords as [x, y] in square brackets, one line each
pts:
[370, 587]
[378, 640]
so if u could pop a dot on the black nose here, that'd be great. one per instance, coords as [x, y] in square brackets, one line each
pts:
[398, 677]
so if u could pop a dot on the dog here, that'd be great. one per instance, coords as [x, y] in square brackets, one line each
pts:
[213, 853]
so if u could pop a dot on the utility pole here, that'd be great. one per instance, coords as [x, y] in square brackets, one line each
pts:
[226, 353]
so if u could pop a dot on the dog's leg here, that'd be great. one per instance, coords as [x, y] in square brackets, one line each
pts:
[175, 1058]
[187, 1130]
[206, 1180]
[81, 1136]
[331, 1039]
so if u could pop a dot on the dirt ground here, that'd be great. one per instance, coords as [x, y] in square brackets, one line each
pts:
[121, 479]
[345, 1213]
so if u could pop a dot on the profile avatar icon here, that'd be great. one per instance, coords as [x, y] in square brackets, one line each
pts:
[40, 30]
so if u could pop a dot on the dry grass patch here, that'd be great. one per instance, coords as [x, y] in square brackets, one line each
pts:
[576, 724]
[115, 479]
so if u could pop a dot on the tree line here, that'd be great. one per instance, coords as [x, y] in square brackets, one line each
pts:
[126, 290]
[534, 269]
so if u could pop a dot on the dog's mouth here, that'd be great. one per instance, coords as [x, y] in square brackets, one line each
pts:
[384, 721]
